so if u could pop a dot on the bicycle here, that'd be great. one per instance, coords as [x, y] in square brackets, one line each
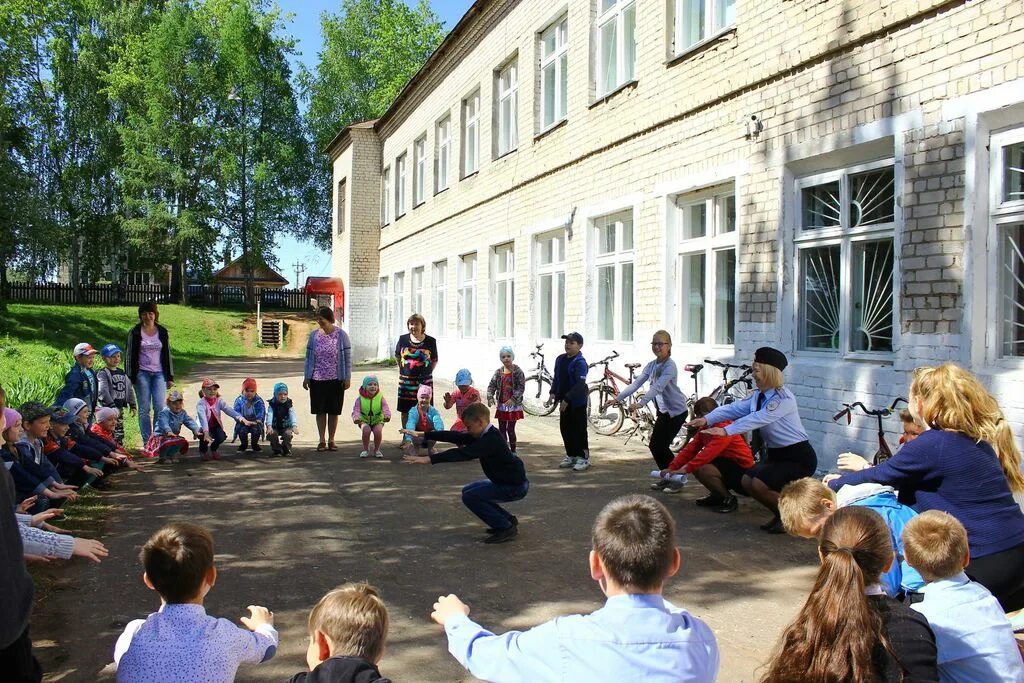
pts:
[884, 452]
[729, 390]
[604, 416]
[538, 387]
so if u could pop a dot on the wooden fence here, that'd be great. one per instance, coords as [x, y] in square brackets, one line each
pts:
[116, 295]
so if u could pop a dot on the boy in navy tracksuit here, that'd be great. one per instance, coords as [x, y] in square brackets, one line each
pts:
[506, 476]
[569, 388]
[81, 382]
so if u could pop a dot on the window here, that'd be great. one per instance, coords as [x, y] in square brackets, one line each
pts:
[706, 267]
[616, 44]
[384, 314]
[398, 287]
[340, 206]
[614, 264]
[467, 295]
[1007, 230]
[400, 164]
[550, 286]
[845, 259]
[503, 288]
[507, 108]
[442, 160]
[419, 170]
[417, 290]
[698, 20]
[471, 134]
[385, 193]
[439, 281]
[554, 73]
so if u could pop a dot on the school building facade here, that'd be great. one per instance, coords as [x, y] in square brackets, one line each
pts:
[843, 180]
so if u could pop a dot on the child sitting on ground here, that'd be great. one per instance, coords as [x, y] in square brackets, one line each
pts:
[115, 388]
[718, 462]
[636, 636]
[422, 418]
[507, 386]
[208, 415]
[369, 412]
[806, 504]
[974, 638]
[103, 429]
[464, 394]
[506, 476]
[283, 423]
[347, 630]
[80, 382]
[58, 447]
[30, 479]
[86, 441]
[181, 642]
[251, 407]
[167, 444]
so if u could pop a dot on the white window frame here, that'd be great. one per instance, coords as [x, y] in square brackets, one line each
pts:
[398, 298]
[1002, 215]
[418, 275]
[339, 203]
[471, 132]
[506, 108]
[717, 21]
[503, 253]
[616, 259]
[385, 196]
[847, 239]
[443, 154]
[439, 283]
[468, 323]
[556, 268]
[384, 315]
[401, 164]
[716, 239]
[557, 61]
[625, 68]
[419, 170]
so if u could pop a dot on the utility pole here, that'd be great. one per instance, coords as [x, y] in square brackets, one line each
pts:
[300, 268]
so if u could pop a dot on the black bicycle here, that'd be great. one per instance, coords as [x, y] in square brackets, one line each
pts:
[884, 452]
[538, 387]
[729, 390]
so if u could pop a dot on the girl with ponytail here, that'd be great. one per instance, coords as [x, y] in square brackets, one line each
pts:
[966, 463]
[849, 630]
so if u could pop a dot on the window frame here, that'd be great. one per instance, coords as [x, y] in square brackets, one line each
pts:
[617, 258]
[1002, 214]
[385, 192]
[470, 120]
[501, 94]
[714, 28]
[846, 238]
[398, 302]
[401, 172]
[467, 285]
[340, 202]
[419, 170]
[558, 61]
[439, 303]
[418, 282]
[616, 14]
[554, 269]
[443, 150]
[508, 251]
[384, 315]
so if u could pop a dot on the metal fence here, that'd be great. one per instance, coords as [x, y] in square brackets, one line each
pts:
[196, 295]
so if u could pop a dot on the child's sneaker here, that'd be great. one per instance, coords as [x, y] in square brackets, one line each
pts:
[673, 487]
[364, 454]
[378, 455]
[582, 465]
[567, 462]
[286, 452]
[242, 448]
[659, 485]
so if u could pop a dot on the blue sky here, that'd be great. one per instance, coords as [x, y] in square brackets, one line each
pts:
[304, 26]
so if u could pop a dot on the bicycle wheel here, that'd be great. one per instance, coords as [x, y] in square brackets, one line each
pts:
[737, 392]
[603, 421]
[536, 395]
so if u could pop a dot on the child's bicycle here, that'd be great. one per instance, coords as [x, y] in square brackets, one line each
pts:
[884, 452]
[606, 417]
[538, 387]
[729, 390]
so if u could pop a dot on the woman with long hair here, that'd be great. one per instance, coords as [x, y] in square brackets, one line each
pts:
[849, 630]
[148, 365]
[965, 463]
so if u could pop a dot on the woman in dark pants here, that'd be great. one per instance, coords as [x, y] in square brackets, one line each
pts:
[669, 402]
[327, 375]
[416, 354]
[771, 413]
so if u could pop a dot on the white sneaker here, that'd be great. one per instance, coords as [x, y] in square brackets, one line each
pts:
[567, 462]
[378, 454]
[364, 454]
[582, 465]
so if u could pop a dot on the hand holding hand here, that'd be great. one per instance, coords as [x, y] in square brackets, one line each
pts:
[448, 606]
[89, 549]
[258, 616]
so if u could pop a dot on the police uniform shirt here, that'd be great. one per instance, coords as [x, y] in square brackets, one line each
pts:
[778, 419]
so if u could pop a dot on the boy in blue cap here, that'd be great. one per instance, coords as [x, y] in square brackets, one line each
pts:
[115, 388]
[283, 424]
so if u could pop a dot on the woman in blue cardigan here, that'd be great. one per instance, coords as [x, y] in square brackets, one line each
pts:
[966, 463]
[328, 373]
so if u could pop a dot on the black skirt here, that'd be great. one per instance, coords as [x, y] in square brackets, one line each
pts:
[326, 396]
[783, 465]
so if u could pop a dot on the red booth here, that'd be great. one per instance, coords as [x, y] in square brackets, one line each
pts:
[327, 291]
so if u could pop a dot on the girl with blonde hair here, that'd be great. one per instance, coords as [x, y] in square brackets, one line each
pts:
[966, 463]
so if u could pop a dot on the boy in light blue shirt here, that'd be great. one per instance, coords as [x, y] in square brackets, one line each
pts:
[973, 637]
[636, 636]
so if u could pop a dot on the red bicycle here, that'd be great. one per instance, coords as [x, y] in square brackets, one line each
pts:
[884, 452]
[605, 416]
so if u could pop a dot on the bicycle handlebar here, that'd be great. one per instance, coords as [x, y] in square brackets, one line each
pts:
[604, 361]
[718, 364]
[878, 412]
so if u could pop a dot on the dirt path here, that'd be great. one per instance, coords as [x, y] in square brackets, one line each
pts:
[287, 530]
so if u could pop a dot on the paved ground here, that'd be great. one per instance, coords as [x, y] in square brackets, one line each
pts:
[287, 530]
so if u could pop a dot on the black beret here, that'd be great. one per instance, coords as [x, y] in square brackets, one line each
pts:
[766, 355]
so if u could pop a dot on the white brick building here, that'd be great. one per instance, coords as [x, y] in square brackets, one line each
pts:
[595, 165]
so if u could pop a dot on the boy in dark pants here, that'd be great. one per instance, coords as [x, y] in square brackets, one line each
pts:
[115, 389]
[569, 388]
[506, 476]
